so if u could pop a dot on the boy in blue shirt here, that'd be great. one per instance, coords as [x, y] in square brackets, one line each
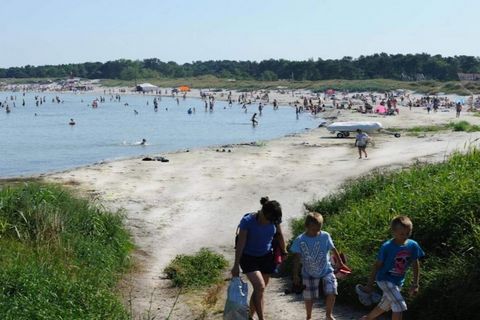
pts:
[312, 249]
[394, 259]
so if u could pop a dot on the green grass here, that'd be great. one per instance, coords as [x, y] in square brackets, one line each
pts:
[464, 126]
[443, 201]
[432, 128]
[455, 126]
[60, 256]
[202, 269]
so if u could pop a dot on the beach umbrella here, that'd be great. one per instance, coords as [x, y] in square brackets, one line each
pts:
[184, 88]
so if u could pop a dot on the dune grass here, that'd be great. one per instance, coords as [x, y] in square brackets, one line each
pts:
[60, 256]
[454, 126]
[443, 201]
[464, 126]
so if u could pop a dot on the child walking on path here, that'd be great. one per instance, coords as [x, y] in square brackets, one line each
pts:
[394, 259]
[312, 250]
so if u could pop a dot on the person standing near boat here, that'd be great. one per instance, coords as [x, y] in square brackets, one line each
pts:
[361, 141]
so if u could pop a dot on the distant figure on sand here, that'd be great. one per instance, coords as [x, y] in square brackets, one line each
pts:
[361, 141]
[72, 122]
[254, 252]
[458, 109]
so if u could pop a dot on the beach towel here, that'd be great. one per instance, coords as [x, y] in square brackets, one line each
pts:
[236, 307]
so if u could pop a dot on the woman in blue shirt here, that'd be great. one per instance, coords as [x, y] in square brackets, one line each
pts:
[254, 252]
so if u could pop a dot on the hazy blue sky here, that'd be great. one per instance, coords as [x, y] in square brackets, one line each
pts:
[62, 31]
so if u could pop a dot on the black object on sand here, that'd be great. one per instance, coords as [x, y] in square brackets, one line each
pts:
[161, 159]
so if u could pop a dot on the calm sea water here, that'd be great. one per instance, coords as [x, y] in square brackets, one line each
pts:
[32, 144]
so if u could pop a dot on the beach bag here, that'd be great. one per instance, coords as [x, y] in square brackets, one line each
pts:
[236, 306]
[339, 272]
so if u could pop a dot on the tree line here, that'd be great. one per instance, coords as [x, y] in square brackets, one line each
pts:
[388, 66]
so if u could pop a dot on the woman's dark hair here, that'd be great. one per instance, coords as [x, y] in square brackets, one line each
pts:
[263, 200]
[272, 210]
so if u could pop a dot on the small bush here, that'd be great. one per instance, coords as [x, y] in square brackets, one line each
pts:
[199, 270]
[443, 201]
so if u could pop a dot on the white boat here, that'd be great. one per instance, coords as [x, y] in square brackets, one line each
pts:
[343, 129]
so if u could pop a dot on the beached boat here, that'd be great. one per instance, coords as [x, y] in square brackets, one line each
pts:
[343, 129]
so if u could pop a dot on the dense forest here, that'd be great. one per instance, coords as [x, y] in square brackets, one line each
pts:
[398, 66]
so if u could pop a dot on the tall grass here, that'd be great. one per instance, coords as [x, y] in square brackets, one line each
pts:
[60, 256]
[443, 201]
[464, 126]
[455, 126]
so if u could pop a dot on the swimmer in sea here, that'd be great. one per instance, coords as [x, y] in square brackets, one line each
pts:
[254, 120]
[72, 122]
[144, 142]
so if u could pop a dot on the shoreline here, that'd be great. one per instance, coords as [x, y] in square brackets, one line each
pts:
[139, 157]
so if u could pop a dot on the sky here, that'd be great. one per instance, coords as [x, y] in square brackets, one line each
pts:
[39, 32]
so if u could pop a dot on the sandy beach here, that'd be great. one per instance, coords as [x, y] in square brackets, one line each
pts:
[197, 199]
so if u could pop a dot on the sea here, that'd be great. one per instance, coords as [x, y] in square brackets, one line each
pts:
[38, 139]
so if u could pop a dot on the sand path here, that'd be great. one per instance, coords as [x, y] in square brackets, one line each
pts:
[197, 199]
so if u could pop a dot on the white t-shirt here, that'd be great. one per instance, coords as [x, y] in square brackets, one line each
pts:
[362, 139]
[315, 254]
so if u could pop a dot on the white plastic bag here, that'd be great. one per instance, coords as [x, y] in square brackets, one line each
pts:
[236, 307]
